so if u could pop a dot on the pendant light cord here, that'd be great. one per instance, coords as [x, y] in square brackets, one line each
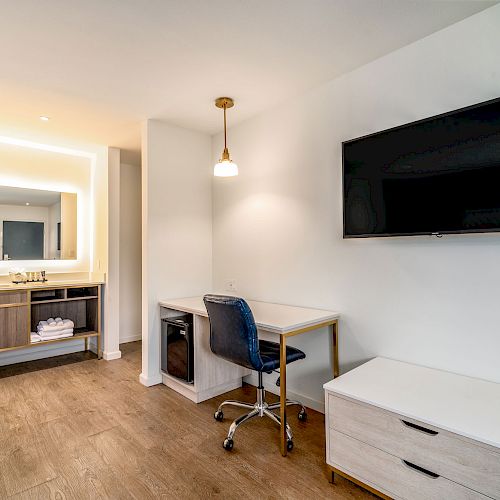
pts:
[225, 135]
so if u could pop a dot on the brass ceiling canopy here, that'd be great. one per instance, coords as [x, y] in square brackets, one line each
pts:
[224, 102]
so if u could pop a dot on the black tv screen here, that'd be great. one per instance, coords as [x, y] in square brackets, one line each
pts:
[435, 176]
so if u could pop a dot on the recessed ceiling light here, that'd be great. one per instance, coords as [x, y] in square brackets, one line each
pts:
[44, 118]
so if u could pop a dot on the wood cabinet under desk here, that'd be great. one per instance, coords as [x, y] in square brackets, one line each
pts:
[22, 307]
[410, 432]
[212, 375]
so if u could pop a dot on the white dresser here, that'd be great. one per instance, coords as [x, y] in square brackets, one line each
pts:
[409, 432]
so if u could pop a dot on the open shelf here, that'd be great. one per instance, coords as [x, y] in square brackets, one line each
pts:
[77, 336]
[51, 301]
[81, 292]
[45, 295]
[82, 332]
[83, 311]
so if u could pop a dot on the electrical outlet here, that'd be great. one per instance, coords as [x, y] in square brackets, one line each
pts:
[231, 285]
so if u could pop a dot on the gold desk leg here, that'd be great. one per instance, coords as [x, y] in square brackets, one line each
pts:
[335, 340]
[86, 344]
[283, 442]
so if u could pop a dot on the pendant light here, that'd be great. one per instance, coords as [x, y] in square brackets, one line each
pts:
[225, 167]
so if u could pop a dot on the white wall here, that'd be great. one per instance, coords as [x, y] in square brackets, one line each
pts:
[277, 227]
[176, 225]
[130, 253]
[111, 309]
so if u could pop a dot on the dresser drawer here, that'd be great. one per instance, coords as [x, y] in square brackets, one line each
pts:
[457, 459]
[391, 475]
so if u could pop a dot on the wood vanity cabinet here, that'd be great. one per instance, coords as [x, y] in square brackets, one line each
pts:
[14, 319]
[22, 309]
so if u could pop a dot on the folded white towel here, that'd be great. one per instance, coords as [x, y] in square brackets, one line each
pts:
[50, 321]
[68, 323]
[61, 333]
[35, 338]
[69, 333]
[45, 326]
[52, 329]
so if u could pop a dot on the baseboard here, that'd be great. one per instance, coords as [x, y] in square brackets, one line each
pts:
[186, 390]
[148, 382]
[219, 389]
[189, 391]
[40, 352]
[131, 338]
[109, 356]
[274, 389]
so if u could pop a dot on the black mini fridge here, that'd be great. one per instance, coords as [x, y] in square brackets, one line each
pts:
[177, 350]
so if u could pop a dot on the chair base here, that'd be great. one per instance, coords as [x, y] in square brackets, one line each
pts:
[259, 409]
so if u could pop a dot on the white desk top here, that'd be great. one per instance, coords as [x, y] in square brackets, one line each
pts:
[276, 318]
[463, 405]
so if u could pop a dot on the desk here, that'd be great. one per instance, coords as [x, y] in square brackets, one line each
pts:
[285, 321]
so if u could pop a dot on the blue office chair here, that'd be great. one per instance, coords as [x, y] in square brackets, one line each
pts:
[233, 336]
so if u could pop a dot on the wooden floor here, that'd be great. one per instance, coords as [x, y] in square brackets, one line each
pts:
[76, 427]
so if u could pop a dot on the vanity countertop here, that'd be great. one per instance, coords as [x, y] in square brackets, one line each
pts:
[48, 284]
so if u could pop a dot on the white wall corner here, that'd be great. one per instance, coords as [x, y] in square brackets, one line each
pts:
[130, 338]
[170, 182]
[112, 290]
[145, 247]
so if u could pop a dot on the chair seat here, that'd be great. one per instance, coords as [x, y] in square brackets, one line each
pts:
[270, 354]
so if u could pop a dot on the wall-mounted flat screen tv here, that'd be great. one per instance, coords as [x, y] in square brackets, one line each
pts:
[434, 176]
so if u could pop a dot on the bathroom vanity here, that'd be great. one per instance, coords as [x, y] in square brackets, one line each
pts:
[23, 306]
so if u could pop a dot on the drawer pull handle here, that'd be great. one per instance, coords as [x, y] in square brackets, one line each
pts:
[428, 473]
[420, 428]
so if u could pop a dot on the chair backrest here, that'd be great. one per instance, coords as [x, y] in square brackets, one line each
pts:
[233, 334]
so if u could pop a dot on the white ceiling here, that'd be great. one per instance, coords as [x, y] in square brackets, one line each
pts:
[99, 67]
[35, 197]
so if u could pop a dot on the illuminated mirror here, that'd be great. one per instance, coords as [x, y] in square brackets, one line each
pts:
[37, 225]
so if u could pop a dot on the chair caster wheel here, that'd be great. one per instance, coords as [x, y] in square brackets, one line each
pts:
[228, 444]
[219, 416]
[302, 415]
[289, 445]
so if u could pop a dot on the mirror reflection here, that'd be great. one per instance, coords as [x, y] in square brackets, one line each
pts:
[37, 225]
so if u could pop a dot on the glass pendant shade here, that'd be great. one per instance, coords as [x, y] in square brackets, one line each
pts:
[225, 168]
